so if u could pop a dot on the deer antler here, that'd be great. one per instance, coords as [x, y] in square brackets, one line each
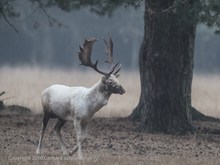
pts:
[109, 53]
[85, 55]
[86, 51]
[109, 50]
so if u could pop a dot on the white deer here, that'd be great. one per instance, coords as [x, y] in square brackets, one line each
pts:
[79, 104]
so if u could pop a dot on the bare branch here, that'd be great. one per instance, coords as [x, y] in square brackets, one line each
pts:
[51, 19]
[167, 9]
[8, 22]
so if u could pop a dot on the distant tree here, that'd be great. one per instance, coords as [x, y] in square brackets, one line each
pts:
[165, 58]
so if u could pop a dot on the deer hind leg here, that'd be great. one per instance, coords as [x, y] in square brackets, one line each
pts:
[81, 133]
[57, 129]
[46, 118]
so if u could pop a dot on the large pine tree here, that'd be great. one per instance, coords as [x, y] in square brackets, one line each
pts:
[166, 68]
[166, 63]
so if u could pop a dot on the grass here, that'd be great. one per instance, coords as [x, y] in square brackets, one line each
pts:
[23, 86]
[206, 94]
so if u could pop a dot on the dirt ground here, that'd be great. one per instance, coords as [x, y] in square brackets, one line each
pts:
[110, 141]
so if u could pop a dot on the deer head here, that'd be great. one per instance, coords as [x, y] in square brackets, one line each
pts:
[109, 79]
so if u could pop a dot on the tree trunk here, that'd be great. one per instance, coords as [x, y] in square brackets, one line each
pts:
[166, 69]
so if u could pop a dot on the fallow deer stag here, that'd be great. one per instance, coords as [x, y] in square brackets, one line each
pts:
[79, 104]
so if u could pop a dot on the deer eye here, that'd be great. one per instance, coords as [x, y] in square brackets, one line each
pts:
[110, 83]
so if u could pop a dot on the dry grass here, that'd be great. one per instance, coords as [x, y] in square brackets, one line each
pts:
[24, 84]
[206, 94]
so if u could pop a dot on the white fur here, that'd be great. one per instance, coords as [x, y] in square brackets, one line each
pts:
[77, 104]
[78, 101]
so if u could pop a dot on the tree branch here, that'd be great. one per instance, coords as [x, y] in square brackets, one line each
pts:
[8, 22]
[167, 9]
[2, 5]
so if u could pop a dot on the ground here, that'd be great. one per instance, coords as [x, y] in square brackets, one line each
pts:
[110, 141]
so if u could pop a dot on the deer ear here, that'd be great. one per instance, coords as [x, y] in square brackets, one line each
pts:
[117, 75]
[104, 78]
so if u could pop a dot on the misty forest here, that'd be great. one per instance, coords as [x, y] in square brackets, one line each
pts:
[168, 107]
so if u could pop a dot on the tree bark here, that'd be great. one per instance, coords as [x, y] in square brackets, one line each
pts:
[166, 70]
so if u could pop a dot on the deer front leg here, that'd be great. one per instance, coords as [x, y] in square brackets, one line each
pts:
[75, 148]
[81, 133]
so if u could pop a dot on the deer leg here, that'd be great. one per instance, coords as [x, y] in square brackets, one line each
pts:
[79, 137]
[81, 132]
[57, 129]
[43, 127]
[76, 148]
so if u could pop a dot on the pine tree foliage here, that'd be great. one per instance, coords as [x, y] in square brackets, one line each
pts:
[189, 11]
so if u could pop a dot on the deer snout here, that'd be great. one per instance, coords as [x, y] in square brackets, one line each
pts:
[122, 90]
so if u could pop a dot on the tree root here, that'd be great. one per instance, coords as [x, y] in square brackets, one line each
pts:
[198, 116]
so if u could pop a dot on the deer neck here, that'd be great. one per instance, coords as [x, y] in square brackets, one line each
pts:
[99, 90]
[98, 97]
